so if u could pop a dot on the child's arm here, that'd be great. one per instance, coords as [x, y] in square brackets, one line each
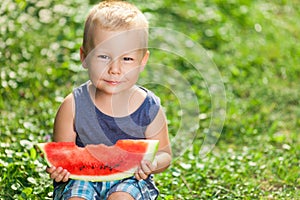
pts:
[64, 121]
[157, 130]
[63, 132]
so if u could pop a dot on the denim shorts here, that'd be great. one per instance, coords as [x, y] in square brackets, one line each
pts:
[139, 190]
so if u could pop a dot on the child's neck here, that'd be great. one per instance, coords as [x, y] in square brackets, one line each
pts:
[118, 105]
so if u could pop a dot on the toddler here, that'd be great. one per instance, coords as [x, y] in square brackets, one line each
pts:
[110, 106]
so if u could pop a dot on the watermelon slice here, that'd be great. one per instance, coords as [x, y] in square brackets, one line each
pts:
[99, 162]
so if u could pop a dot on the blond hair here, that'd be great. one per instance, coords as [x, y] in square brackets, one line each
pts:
[114, 16]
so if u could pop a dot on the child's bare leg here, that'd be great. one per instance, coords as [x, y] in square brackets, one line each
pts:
[120, 196]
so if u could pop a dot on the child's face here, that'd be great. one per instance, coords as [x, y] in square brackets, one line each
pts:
[116, 61]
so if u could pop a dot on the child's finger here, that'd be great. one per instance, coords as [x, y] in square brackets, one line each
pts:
[54, 174]
[152, 166]
[140, 174]
[65, 175]
[145, 167]
[61, 175]
[50, 169]
[137, 174]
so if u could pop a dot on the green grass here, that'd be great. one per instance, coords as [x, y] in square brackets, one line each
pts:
[254, 46]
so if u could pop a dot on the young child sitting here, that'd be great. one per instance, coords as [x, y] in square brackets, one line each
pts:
[110, 106]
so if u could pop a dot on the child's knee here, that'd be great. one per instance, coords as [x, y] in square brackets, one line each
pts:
[120, 196]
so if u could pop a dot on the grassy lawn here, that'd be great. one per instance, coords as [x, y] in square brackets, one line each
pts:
[252, 46]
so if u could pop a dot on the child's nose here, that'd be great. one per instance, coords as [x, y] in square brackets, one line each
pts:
[114, 67]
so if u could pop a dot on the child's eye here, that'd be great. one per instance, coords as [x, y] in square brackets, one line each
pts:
[128, 59]
[104, 57]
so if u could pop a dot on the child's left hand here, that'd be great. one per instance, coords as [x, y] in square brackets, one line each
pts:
[145, 169]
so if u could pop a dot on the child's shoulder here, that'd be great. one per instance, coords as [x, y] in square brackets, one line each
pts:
[78, 91]
[151, 96]
[81, 88]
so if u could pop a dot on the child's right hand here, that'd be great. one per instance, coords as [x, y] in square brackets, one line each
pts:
[58, 174]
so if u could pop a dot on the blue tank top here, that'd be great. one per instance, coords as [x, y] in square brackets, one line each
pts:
[94, 127]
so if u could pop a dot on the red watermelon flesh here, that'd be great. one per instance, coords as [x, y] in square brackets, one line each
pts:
[99, 162]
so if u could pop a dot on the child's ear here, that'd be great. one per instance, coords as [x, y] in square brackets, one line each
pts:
[145, 60]
[82, 57]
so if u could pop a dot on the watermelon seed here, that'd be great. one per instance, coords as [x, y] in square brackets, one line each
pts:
[116, 165]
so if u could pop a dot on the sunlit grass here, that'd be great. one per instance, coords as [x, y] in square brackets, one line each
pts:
[253, 44]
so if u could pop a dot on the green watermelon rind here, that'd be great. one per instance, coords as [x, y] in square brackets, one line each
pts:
[41, 146]
[149, 155]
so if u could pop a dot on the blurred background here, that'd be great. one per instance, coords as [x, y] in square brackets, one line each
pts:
[253, 44]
